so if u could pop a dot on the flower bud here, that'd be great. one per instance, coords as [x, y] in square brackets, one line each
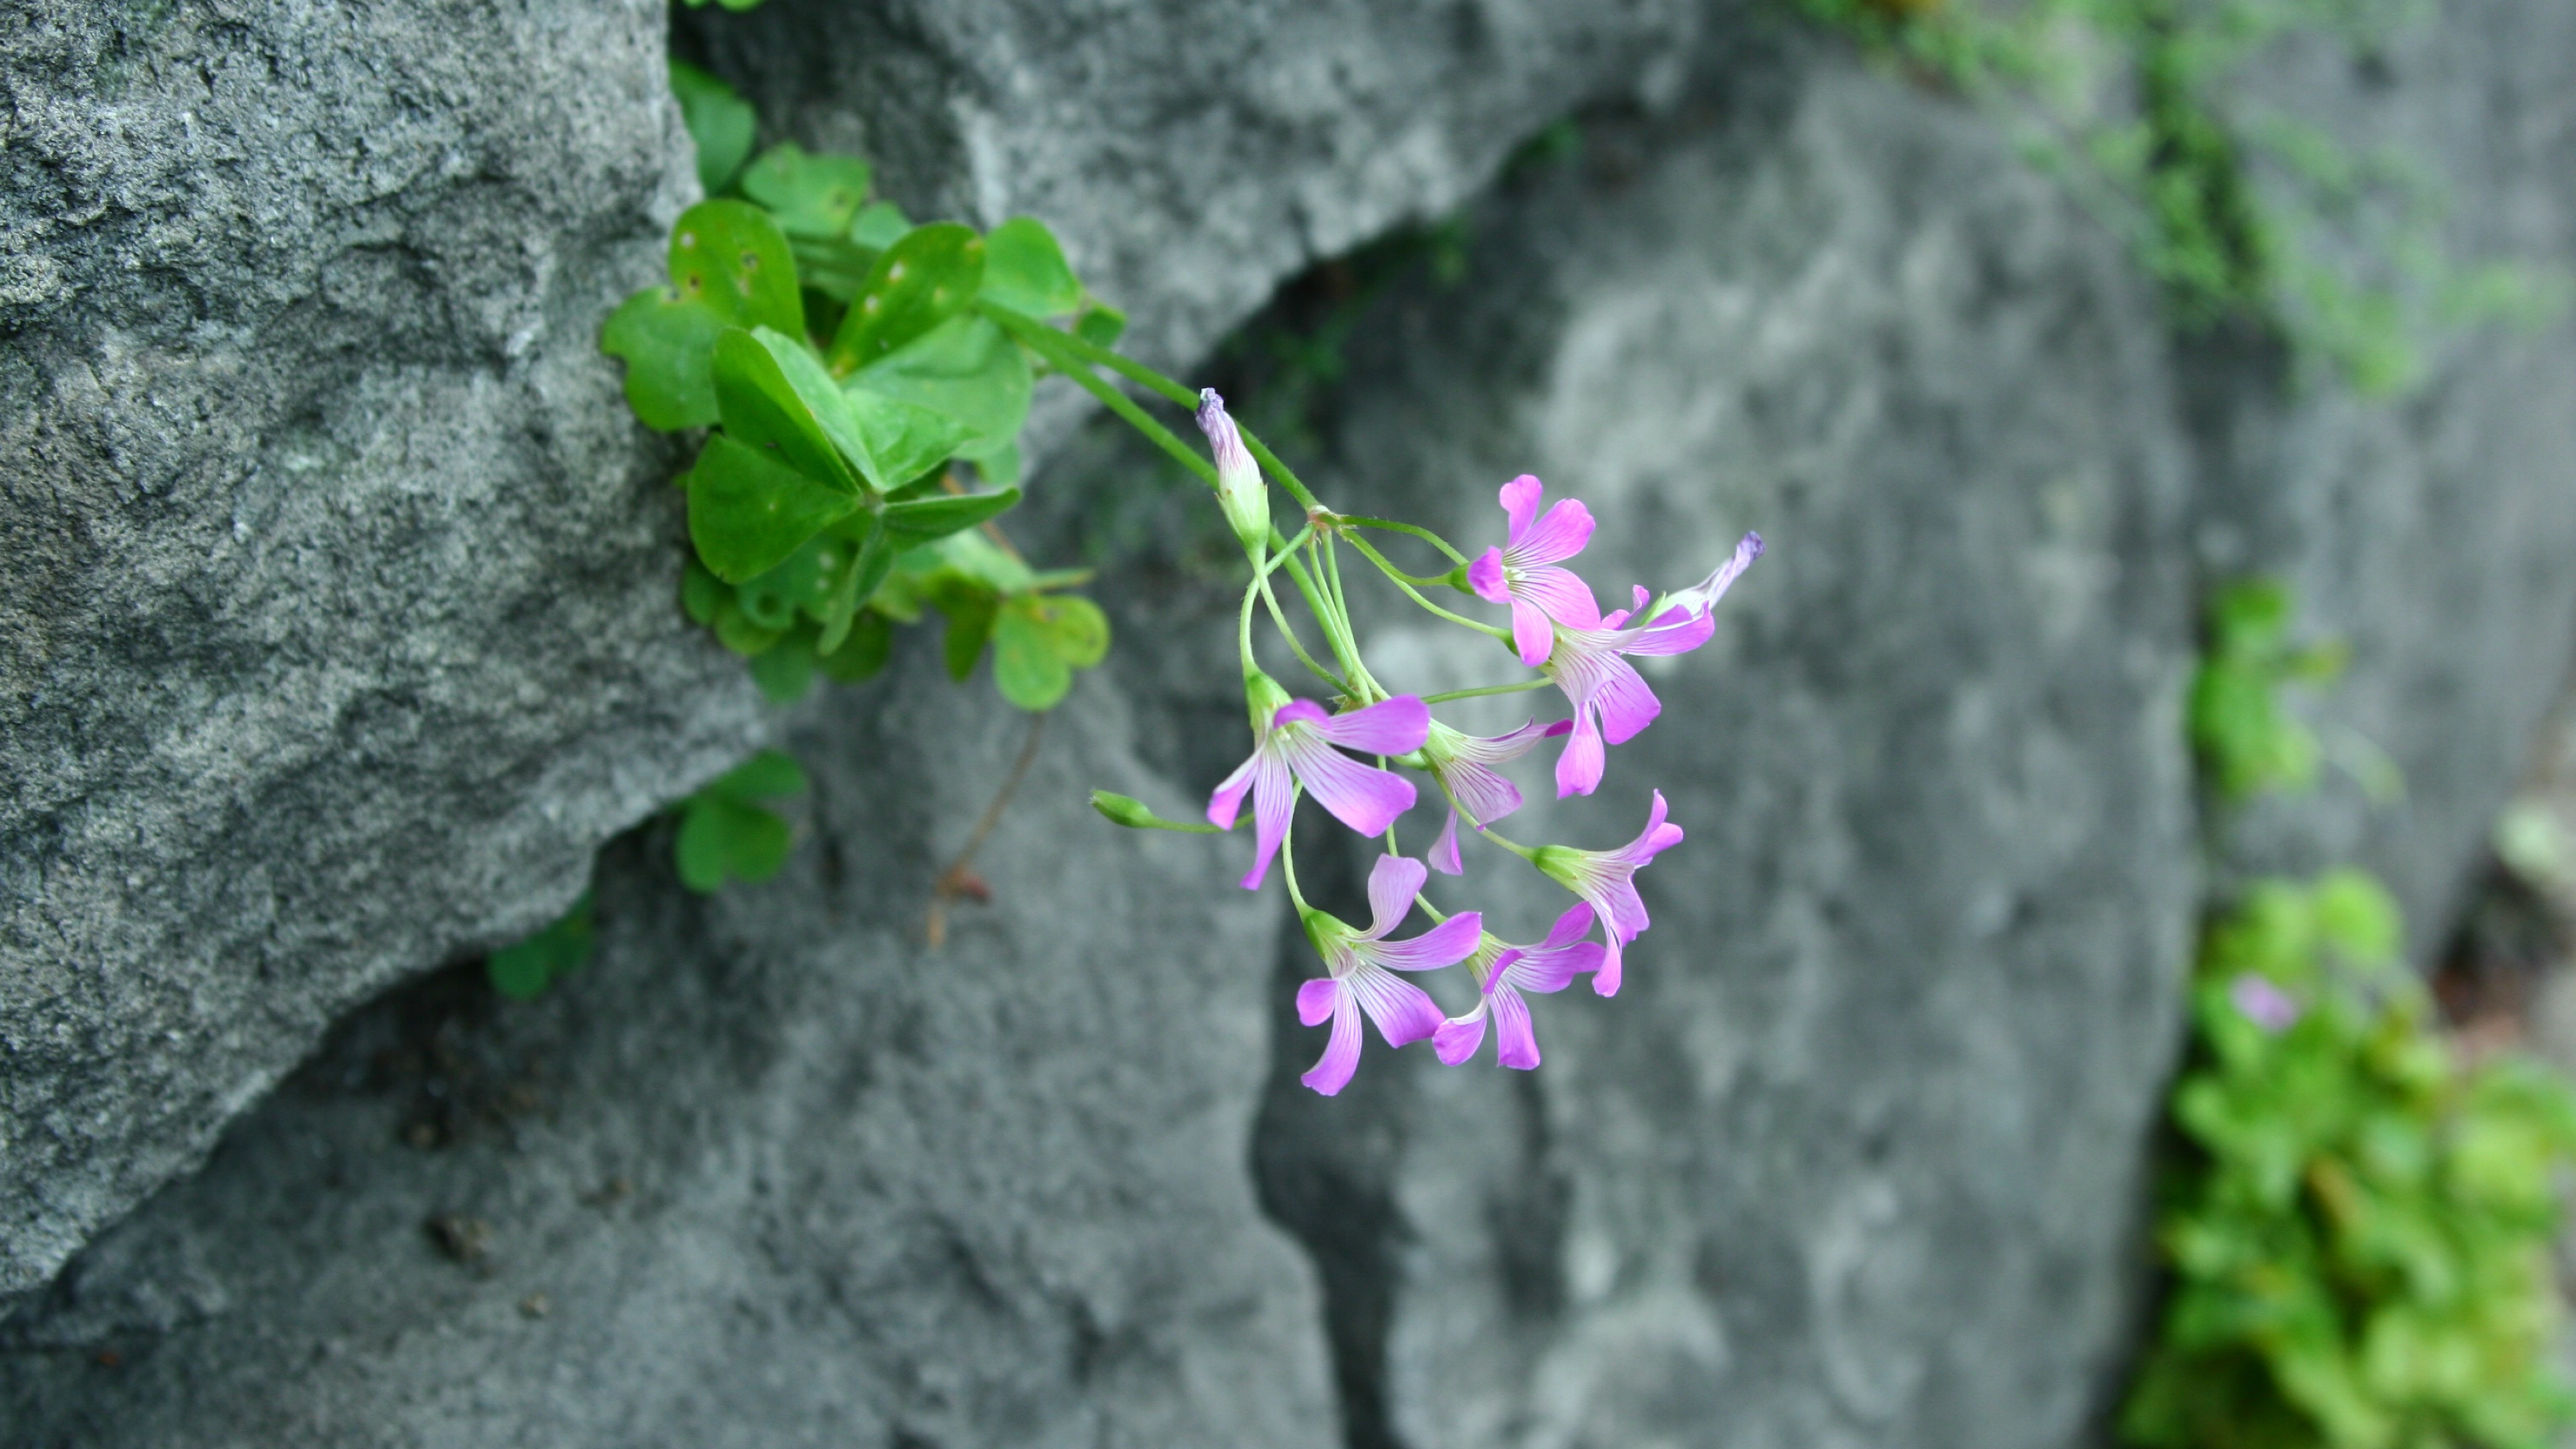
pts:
[1239, 489]
[1131, 812]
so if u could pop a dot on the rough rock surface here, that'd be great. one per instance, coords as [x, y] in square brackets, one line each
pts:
[1193, 155]
[1854, 1159]
[1856, 1156]
[335, 629]
[2432, 534]
[768, 1171]
[304, 303]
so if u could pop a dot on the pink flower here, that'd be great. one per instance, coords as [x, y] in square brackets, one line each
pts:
[1463, 765]
[1523, 572]
[1360, 963]
[1296, 748]
[1606, 879]
[2264, 1004]
[1611, 701]
[1504, 972]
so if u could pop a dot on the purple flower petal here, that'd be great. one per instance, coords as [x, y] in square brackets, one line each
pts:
[1274, 804]
[1446, 944]
[1363, 797]
[1674, 631]
[1564, 597]
[1226, 805]
[1560, 535]
[1393, 883]
[1444, 851]
[1485, 576]
[1298, 712]
[1485, 796]
[1627, 706]
[1457, 1040]
[1520, 504]
[1389, 727]
[1515, 1044]
[1404, 1012]
[1578, 769]
[1571, 927]
[1605, 982]
[1315, 1000]
[1332, 1071]
[1549, 969]
[1533, 635]
[1510, 745]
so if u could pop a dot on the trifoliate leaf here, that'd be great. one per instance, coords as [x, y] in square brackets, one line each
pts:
[966, 368]
[729, 267]
[977, 557]
[925, 519]
[768, 775]
[971, 612]
[785, 673]
[702, 594]
[774, 396]
[903, 441]
[1039, 640]
[921, 281]
[809, 195]
[523, 971]
[719, 121]
[723, 840]
[740, 633]
[1025, 271]
[998, 462]
[1100, 324]
[879, 225]
[748, 512]
[863, 654]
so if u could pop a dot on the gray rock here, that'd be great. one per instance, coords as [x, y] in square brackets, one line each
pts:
[336, 630]
[1856, 1155]
[1192, 155]
[2433, 533]
[768, 1171]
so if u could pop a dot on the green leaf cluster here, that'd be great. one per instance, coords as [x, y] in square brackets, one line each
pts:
[2246, 739]
[864, 406]
[522, 972]
[2360, 1239]
[727, 830]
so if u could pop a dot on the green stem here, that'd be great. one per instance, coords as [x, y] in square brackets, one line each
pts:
[1426, 535]
[1524, 852]
[1270, 461]
[1398, 578]
[1136, 372]
[1048, 343]
[1524, 685]
[1288, 855]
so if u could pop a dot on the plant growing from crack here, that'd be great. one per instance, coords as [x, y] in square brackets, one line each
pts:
[2357, 1225]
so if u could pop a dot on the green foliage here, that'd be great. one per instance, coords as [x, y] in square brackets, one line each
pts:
[2357, 1224]
[2360, 1239]
[857, 387]
[720, 122]
[2242, 216]
[728, 834]
[2246, 739]
[523, 972]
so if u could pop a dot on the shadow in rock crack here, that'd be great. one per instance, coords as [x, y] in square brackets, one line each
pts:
[1324, 1167]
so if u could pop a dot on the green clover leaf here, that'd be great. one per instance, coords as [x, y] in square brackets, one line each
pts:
[809, 196]
[1025, 271]
[719, 121]
[927, 277]
[729, 267]
[748, 511]
[523, 971]
[726, 832]
[1039, 640]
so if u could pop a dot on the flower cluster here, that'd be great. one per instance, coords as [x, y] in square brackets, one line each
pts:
[1348, 755]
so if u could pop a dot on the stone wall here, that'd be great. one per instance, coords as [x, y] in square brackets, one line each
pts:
[1856, 1156]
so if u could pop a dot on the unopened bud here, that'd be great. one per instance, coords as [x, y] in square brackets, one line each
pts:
[1239, 489]
[1131, 812]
